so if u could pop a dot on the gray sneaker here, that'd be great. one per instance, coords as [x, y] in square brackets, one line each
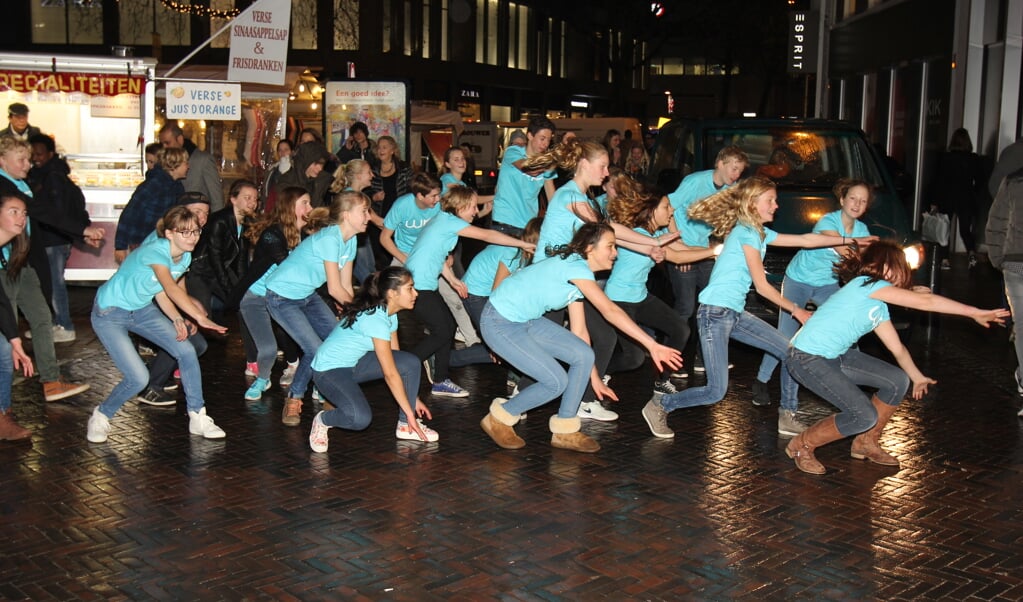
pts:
[788, 426]
[657, 419]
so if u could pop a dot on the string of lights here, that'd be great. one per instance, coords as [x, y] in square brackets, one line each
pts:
[200, 11]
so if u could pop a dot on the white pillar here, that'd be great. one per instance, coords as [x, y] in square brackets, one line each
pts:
[1008, 122]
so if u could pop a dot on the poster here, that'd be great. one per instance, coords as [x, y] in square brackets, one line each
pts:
[382, 106]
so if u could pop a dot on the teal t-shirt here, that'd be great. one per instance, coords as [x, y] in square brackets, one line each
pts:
[426, 259]
[539, 288]
[344, 347]
[560, 222]
[479, 278]
[841, 320]
[627, 283]
[815, 266]
[408, 220]
[730, 279]
[695, 187]
[447, 180]
[515, 201]
[134, 284]
[302, 272]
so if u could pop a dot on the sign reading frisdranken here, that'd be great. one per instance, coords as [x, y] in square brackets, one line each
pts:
[195, 100]
[259, 43]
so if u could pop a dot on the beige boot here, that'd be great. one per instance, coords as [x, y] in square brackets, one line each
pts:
[566, 435]
[498, 424]
[801, 447]
[292, 413]
[867, 446]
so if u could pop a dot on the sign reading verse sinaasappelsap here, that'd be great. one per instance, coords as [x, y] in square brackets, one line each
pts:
[259, 43]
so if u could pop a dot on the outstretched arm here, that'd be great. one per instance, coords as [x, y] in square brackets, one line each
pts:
[888, 335]
[764, 288]
[937, 303]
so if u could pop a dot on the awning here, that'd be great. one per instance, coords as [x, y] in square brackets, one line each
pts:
[219, 73]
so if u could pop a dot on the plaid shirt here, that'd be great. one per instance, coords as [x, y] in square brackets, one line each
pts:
[153, 197]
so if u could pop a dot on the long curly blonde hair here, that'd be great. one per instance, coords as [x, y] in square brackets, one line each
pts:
[628, 202]
[738, 204]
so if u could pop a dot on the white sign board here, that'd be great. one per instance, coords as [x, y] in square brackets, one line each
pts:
[382, 106]
[199, 100]
[259, 43]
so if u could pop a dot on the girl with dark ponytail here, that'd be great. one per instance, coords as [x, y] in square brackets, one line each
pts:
[364, 347]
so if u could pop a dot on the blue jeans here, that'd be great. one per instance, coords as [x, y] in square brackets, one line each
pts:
[839, 380]
[113, 325]
[365, 261]
[1014, 294]
[686, 285]
[6, 374]
[340, 386]
[308, 321]
[800, 294]
[717, 326]
[57, 255]
[257, 319]
[535, 348]
[474, 305]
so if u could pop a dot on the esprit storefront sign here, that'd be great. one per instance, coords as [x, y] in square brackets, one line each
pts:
[87, 83]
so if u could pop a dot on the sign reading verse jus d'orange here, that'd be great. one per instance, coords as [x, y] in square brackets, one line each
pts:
[87, 83]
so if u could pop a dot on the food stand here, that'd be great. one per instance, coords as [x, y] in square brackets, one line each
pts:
[96, 109]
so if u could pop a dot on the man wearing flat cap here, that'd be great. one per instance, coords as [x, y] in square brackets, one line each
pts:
[17, 123]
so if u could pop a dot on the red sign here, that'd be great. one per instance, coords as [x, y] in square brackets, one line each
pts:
[94, 84]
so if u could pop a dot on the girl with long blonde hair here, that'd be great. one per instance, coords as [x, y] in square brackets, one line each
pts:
[738, 214]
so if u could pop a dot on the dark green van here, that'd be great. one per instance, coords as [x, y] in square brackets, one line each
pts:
[806, 157]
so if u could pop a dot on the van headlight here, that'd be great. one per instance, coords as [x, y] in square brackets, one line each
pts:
[914, 256]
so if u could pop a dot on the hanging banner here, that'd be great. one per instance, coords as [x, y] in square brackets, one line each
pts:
[195, 100]
[259, 43]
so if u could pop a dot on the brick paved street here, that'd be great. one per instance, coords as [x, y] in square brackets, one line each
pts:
[717, 513]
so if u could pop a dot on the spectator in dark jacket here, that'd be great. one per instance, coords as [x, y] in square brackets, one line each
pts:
[955, 188]
[58, 209]
[222, 255]
[153, 197]
[203, 175]
[307, 171]
[358, 145]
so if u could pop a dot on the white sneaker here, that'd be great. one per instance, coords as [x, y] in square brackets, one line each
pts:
[318, 439]
[99, 427]
[288, 376]
[201, 424]
[62, 335]
[595, 411]
[1019, 382]
[404, 431]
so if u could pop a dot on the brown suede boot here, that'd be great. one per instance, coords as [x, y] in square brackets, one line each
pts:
[498, 424]
[291, 415]
[566, 435]
[867, 446]
[11, 430]
[801, 447]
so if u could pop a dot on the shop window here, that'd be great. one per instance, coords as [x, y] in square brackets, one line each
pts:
[486, 31]
[224, 39]
[67, 22]
[138, 22]
[303, 24]
[346, 24]
[388, 27]
[500, 113]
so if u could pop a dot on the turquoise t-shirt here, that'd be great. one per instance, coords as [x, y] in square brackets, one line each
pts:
[446, 180]
[627, 282]
[407, 220]
[560, 222]
[515, 201]
[730, 279]
[695, 187]
[426, 259]
[134, 284]
[258, 287]
[841, 320]
[814, 266]
[302, 272]
[539, 288]
[479, 278]
[344, 347]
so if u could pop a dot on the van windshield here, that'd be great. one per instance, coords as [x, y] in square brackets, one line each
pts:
[798, 158]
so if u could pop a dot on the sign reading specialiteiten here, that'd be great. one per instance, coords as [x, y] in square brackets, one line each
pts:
[199, 100]
[259, 43]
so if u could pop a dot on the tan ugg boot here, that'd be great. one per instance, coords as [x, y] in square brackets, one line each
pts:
[498, 424]
[566, 435]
